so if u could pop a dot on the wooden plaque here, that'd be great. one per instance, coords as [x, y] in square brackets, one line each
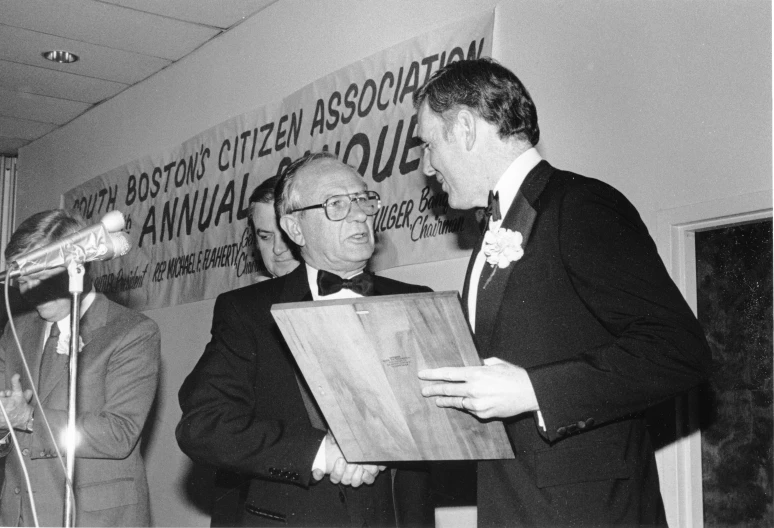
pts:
[360, 358]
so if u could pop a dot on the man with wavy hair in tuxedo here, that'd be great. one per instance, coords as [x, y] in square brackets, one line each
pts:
[579, 324]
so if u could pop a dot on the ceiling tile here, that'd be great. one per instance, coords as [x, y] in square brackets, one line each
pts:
[55, 83]
[119, 42]
[11, 146]
[11, 127]
[108, 25]
[39, 108]
[222, 14]
[25, 46]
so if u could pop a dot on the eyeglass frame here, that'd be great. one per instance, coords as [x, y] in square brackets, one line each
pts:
[351, 196]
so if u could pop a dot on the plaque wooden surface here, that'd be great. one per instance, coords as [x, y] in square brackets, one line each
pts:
[360, 358]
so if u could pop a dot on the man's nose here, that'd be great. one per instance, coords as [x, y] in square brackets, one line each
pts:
[427, 167]
[279, 244]
[356, 212]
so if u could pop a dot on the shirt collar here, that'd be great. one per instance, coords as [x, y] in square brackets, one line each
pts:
[64, 324]
[509, 183]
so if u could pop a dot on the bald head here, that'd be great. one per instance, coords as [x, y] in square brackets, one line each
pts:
[340, 246]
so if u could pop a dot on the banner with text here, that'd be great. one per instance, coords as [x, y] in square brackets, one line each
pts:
[187, 207]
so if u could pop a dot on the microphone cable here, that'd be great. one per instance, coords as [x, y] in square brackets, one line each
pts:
[42, 413]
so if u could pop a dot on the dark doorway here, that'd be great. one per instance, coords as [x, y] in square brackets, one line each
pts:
[734, 298]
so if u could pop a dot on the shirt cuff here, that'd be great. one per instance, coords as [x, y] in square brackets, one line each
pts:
[319, 460]
[541, 422]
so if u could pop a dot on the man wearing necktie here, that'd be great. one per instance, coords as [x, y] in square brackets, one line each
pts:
[118, 366]
[246, 406]
[580, 327]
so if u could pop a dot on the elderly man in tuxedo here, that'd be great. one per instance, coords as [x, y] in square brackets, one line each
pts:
[118, 369]
[246, 406]
[579, 323]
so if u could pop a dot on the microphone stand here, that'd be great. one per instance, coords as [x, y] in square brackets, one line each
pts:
[76, 272]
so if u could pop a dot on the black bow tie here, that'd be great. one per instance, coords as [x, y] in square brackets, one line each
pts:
[493, 207]
[329, 283]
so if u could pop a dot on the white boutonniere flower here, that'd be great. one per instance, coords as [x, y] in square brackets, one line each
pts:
[63, 345]
[501, 248]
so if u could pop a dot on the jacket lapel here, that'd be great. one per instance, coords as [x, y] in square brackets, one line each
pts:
[296, 287]
[32, 340]
[382, 287]
[94, 319]
[520, 217]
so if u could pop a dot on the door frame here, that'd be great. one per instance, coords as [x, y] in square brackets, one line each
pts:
[679, 463]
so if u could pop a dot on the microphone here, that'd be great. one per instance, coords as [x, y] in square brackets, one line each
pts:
[102, 241]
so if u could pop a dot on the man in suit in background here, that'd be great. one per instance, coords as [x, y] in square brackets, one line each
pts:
[117, 376]
[580, 324]
[276, 256]
[246, 407]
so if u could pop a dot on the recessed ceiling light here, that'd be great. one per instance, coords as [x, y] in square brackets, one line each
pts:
[61, 56]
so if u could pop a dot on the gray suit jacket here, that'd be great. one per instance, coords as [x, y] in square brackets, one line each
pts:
[117, 377]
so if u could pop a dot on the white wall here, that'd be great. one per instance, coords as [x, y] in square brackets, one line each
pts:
[668, 101]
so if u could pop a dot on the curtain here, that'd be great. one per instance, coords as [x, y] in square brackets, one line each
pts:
[7, 202]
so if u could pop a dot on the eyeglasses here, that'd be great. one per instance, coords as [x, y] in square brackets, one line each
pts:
[337, 207]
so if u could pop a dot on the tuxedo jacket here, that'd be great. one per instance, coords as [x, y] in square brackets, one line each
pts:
[243, 412]
[592, 315]
[117, 376]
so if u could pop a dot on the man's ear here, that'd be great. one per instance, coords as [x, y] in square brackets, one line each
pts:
[290, 225]
[466, 124]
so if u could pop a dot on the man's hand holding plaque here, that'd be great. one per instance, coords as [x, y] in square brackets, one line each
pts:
[341, 471]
